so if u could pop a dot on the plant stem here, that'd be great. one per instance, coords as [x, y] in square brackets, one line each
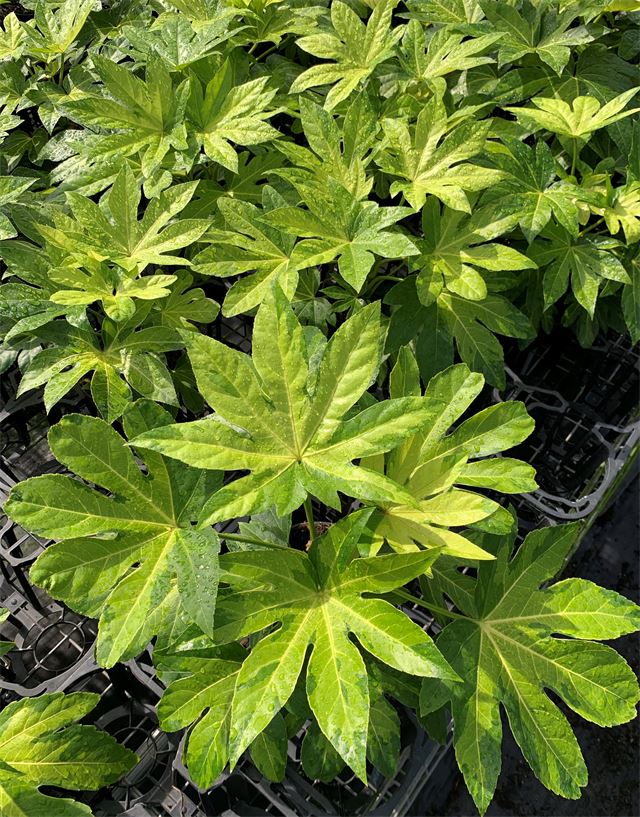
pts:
[574, 156]
[250, 540]
[593, 226]
[308, 509]
[267, 52]
[434, 608]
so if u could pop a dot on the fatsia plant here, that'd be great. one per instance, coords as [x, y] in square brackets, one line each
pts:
[281, 415]
[338, 150]
[473, 165]
[43, 745]
[433, 159]
[450, 322]
[131, 556]
[113, 232]
[177, 40]
[317, 597]
[249, 244]
[338, 226]
[459, 254]
[439, 468]
[583, 263]
[541, 29]
[201, 677]
[122, 357]
[517, 636]
[356, 49]
[126, 115]
[225, 112]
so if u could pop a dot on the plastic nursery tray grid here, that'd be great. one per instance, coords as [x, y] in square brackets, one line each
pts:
[585, 404]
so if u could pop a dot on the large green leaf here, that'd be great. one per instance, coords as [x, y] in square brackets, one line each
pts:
[121, 553]
[176, 39]
[280, 415]
[339, 148]
[42, 745]
[317, 600]
[508, 652]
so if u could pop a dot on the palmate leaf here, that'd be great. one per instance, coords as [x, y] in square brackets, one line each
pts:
[585, 262]
[271, 21]
[337, 225]
[12, 38]
[438, 468]
[431, 158]
[356, 48]
[113, 232]
[317, 600]
[200, 684]
[449, 319]
[250, 244]
[130, 358]
[622, 211]
[201, 679]
[110, 286]
[507, 653]
[455, 249]
[52, 33]
[42, 745]
[336, 150]
[120, 554]
[176, 40]
[474, 325]
[280, 415]
[225, 111]
[539, 29]
[529, 194]
[579, 120]
[185, 305]
[423, 59]
[145, 116]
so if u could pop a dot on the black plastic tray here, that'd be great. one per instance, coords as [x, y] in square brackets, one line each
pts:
[586, 407]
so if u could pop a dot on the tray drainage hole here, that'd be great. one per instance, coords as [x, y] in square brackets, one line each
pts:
[59, 645]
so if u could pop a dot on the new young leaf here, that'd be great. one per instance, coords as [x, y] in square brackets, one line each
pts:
[437, 467]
